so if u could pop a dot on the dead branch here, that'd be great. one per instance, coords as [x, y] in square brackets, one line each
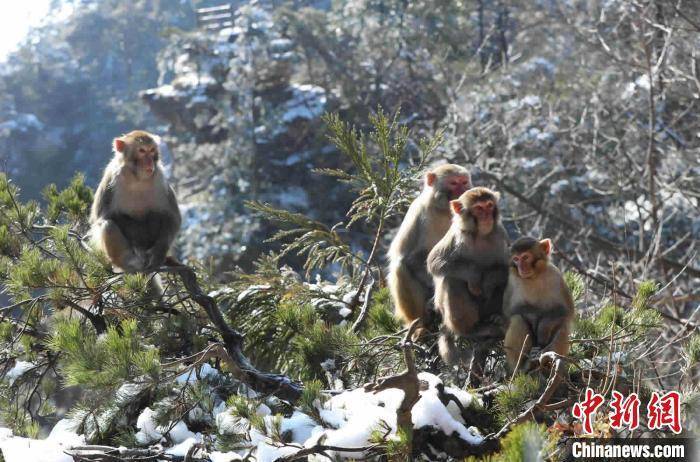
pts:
[96, 453]
[364, 311]
[232, 348]
[406, 381]
[556, 377]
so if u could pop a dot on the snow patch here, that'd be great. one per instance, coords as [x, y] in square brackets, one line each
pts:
[148, 432]
[18, 370]
[18, 449]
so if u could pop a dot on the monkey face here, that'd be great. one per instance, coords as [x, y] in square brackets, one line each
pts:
[456, 185]
[139, 152]
[529, 256]
[524, 262]
[484, 211]
[145, 158]
[447, 183]
[478, 210]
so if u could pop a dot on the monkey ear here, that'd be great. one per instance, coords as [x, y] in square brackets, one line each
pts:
[119, 144]
[457, 206]
[430, 178]
[546, 246]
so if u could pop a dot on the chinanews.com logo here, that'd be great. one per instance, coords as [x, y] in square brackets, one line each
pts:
[661, 412]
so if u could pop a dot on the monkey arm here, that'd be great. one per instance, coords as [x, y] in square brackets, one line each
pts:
[466, 270]
[415, 263]
[102, 203]
[170, 222]
[494, 278]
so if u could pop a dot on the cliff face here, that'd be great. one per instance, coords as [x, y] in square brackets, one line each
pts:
[242, 125]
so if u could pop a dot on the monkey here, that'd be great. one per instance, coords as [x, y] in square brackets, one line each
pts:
[426, 221]
[135, 215]
[537, 303]
[470, 268]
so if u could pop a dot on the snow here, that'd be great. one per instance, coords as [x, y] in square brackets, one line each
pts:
[345, 312]
[301, 426]
[217, 456]
[328, 365]
[18, 370]
[180, 433]
[349, 419]
[64, 433]
[307, 102]
[191, 376]
[252, 290]
[268, 453]
[147, 428]
[220, 292]
[18, 449]
[430, 412]
[183, 447]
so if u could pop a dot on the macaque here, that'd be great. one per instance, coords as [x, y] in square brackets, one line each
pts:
[135, 216]
[537, 302]
[470, 269]
[426, 221]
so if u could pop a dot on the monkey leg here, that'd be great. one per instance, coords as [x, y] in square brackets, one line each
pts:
[553, 334]
[518, 342]
[476, 366]
[410, 296]
[459, 310]
[459, 314]
[117, 248]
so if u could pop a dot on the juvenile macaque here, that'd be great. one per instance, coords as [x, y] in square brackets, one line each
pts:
[135, 216]
[537, 302]
[470, 267]
[426, 221]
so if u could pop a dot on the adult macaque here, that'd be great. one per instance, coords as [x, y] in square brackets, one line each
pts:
[537, 302]
[470, 269]
[426, 221]
[135, 216]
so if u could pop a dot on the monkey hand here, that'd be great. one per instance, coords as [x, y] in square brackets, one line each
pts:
[134, 263]
[155, 257]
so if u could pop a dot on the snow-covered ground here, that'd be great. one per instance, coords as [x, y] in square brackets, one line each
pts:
[347, 420]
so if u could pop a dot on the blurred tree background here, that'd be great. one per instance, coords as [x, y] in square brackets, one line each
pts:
[584, 114]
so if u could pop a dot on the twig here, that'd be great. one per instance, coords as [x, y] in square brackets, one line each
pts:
[555, 379]
[364, 312]
[406, 381]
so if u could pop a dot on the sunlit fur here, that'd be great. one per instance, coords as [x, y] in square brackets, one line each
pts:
[426, 221]
[537, 302]
[469, 212]
[135, 216]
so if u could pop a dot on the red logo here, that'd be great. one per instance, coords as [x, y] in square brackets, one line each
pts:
[625, 411]
[586, 409]
[663, 410]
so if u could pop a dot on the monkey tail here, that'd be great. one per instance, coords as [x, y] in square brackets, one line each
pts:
[155, 287]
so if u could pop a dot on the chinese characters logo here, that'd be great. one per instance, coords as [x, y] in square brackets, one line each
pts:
[663, 411]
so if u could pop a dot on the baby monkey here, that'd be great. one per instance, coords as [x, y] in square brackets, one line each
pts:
[537, 303]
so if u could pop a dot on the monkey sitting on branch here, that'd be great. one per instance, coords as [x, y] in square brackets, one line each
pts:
[426, 221]
[538, 304]
[135, 216]
[470, 269]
